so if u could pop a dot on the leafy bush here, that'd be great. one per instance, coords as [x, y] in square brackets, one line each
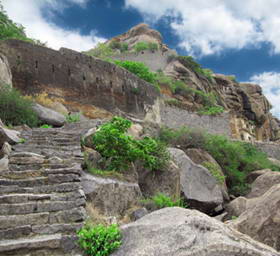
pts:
[102, 51]
[141, 46]
[12, 30]
[189, 62]
[211, 111]
[99, 240]
[73, 118]
[161, 200]
[139, 69]
[215, 171]
[15, 109]
[123, 47]
[119, 150]
[153, 46]
[237, 159]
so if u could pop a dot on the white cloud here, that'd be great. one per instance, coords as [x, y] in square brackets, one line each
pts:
[208, 27]
[270, 83]
[29, 14]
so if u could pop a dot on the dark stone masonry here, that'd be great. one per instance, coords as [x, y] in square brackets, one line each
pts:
[76, 77]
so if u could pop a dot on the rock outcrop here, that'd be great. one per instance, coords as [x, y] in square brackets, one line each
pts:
[5, 72]
[181, 232]
[198, 186]
[260, 217]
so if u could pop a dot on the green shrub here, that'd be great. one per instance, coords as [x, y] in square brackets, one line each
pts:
[189, 62]
[153, 46]
[237, 159]
[15, 109]
[124, 47]
[232, 78]
[119, 150]
[141, 46]
[102, 51]
[99, 240]
[116, 45]
[73, 118]
[211, 111]
[161, 200]
[12, 30]
[139, 69]
[46, 126]
[215, 171]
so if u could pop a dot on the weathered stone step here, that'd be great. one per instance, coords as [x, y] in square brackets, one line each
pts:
[29, 197]
[37, 181]
[37, 207]
[39, 222]
[23, 198]
[38, 173]
[58, 188]
[44, 241]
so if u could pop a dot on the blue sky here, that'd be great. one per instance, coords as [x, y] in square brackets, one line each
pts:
[228, 36]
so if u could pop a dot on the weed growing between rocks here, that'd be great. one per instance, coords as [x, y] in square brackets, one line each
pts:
[119, 150]
[237, 159]
[15, 109]
[73, 118]
[161, 200]
[99, 240]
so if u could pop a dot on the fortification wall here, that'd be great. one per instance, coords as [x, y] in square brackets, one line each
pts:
[77, 77]
[155, 60]
[173, 117]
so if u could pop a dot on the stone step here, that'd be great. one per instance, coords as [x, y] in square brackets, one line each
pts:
[38, 173]
[57, 188]
[44, 241]
[37, 207]
[23, 198]
[37, 181]
[29, 197]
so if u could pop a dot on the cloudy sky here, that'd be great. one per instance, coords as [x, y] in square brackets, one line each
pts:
[240, 37]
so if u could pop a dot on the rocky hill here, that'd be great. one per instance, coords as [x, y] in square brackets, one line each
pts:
[107, 141]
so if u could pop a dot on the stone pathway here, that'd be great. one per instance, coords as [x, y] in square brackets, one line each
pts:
[41, 198]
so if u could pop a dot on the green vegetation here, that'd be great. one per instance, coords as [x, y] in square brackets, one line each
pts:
[139, 69]
[99, 240]
[232, 78]
[73, 118]
[12, 30]
[119, 150]
[189, 62]
[208, 100]
[161, 200]
[116, 45]
[215, 171]
[15, 109]
[46, 126]
[211, 110]
[141, 46]
[22, 140]
[237, 159]
[174, 102]
[101, 51]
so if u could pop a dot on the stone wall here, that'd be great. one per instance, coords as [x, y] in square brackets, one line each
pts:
[174, 118]
[155, 60]
[76, 77]
[270, 148]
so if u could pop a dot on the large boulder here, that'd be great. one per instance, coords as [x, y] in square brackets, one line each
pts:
[5, 72]
[49, 116]
[261, 219]
[263, 183]
[198, 186]
[201, 157]
[162, 181]
[182, 232]
[111, 197]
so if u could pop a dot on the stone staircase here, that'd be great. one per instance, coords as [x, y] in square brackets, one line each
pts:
[41, 198]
